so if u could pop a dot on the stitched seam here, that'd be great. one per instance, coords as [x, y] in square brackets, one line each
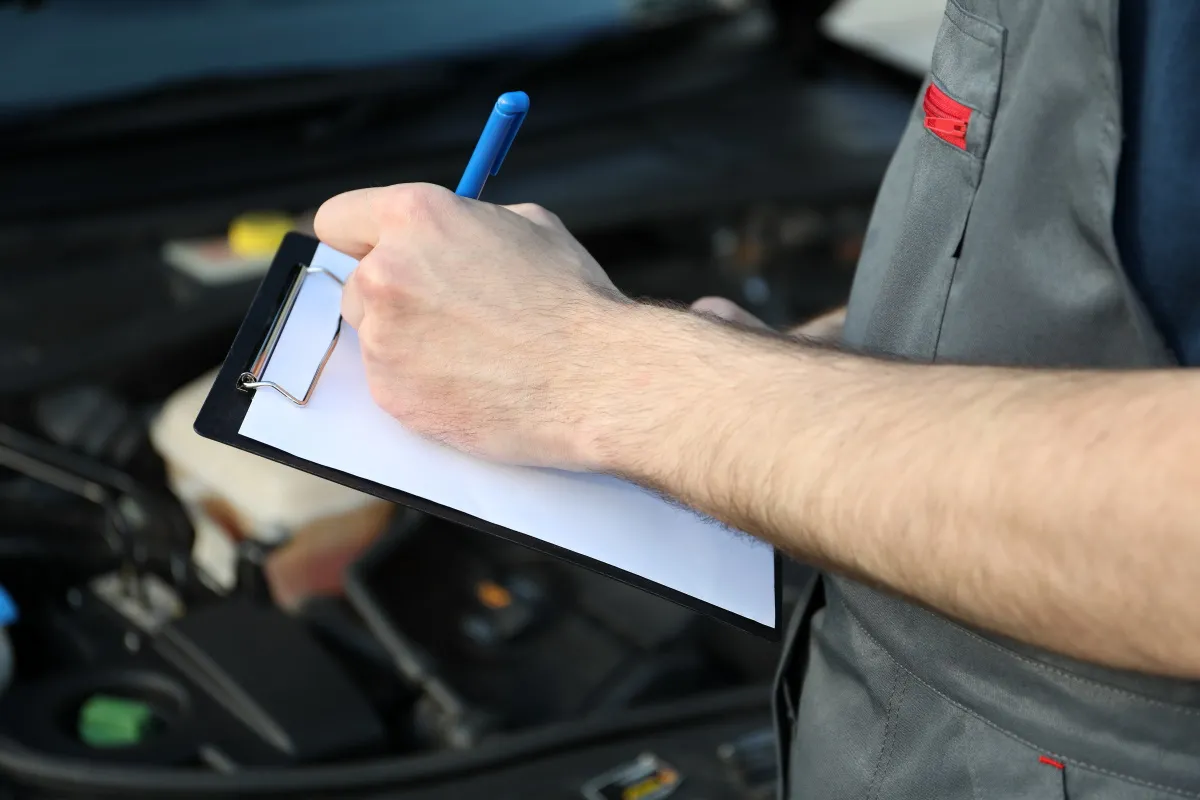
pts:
[937, 340]
[962, 234]
[966, 32]
[883, 740]
[957, 9]
[889, 708]
[1015, 737]
[891, 748]
[1062, 673]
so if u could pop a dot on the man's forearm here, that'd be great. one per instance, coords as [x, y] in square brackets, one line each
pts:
[1058, 508]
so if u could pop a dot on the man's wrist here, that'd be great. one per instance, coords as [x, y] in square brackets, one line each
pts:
[626, 393]
[672, 394]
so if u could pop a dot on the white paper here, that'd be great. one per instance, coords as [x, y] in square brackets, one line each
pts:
[601, 517]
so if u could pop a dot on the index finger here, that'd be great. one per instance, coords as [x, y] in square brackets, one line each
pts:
[348, 222]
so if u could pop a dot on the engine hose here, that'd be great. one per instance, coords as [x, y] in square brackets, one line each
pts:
[56, 774]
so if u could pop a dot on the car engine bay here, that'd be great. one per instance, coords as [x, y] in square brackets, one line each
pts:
[188, 623]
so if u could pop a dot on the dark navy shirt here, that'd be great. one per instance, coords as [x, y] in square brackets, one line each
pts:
[1157, 220]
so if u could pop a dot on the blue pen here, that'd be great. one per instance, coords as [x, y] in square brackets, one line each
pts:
[494, 142]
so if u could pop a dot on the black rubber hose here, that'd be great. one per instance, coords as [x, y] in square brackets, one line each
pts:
[51, 773]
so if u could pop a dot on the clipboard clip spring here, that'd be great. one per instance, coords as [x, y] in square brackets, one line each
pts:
[253, 377]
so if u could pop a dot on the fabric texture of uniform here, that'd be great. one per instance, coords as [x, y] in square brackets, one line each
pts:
[998, 252]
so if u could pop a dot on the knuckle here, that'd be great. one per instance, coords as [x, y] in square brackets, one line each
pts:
[527, 209]
[374, 339]
[415, 201]
[368, 341]
[371, 280]
[538, 214]
[379, 280]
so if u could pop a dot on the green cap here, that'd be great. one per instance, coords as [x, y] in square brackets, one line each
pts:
[110, 721]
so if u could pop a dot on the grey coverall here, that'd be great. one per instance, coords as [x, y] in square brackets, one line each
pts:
[991, 243]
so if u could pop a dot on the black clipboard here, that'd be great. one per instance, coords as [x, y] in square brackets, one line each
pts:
[225, 407]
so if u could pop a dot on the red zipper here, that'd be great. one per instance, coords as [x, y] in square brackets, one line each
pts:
[945, 117]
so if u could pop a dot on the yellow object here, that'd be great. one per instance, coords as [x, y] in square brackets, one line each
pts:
[258, 234]
[663, 779]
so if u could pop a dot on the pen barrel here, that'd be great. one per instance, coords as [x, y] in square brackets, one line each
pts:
[498, 134]
[480, 167]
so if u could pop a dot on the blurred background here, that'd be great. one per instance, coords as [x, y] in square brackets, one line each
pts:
[186, 620]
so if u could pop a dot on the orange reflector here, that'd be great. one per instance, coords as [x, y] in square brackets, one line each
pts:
[493, 595]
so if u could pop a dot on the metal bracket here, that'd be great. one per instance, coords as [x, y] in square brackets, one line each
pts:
[253, 378]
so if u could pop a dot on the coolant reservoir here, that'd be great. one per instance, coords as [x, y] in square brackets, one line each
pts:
[231, 496]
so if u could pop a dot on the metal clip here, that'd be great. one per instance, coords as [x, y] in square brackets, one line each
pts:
[253, 378]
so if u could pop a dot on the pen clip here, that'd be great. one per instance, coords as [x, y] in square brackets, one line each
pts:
[513, 106]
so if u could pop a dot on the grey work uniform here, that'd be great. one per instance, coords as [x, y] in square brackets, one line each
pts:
[991, 243]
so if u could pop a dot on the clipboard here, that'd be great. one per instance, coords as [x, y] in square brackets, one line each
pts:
[243, 373]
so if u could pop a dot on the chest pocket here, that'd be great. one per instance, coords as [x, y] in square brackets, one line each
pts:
[910, 263]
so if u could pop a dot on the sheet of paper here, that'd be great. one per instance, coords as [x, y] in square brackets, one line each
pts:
[601, 517]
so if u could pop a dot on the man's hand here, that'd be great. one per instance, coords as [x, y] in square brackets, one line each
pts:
[478, 323]
[1059, 508]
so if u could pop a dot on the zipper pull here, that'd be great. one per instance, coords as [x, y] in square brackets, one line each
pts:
[945, 117]
[947, 126]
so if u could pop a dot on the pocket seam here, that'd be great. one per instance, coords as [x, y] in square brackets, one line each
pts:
[969, 51]
[953, 7]
[956, 16]
[937, 342]
[895, 699]
[1015, 737]
[966, 32]
[1183, 710]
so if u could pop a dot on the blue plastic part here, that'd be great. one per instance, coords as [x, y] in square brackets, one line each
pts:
[511, 103]
[515, 105]
[8, 609]
[494, 143]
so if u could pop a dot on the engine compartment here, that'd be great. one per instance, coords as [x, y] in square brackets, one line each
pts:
[439, 654]
[448, 638]
[451, 641]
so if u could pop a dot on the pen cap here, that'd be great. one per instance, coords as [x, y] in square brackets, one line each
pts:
[514, 105]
